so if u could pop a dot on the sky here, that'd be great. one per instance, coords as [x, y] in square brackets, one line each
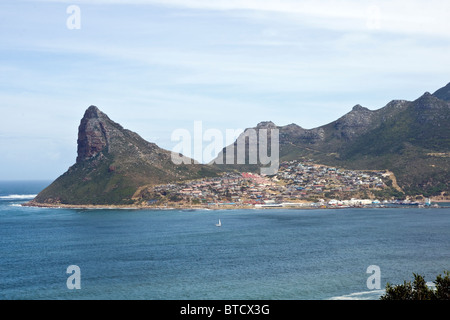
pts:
[156, 66]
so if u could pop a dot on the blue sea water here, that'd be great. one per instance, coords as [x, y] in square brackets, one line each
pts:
[181, 254]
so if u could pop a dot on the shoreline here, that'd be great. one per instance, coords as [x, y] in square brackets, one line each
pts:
[300, 206]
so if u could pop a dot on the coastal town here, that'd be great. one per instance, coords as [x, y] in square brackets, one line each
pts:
[297, 184]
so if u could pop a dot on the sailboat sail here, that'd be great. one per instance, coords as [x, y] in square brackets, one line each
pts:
[219, 224]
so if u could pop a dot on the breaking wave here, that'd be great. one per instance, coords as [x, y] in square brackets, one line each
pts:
[18, 197]
[363, 295]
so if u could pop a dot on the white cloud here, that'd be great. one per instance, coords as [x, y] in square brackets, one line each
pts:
[397, 16]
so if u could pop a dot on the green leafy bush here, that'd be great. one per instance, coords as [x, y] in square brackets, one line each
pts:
[418, 290]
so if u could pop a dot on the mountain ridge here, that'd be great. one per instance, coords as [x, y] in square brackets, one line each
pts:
[403, 137]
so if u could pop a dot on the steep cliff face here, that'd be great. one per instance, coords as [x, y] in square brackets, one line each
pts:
[93, 134]
[112, 164]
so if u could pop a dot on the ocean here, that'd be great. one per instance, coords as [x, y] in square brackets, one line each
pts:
[260, 254]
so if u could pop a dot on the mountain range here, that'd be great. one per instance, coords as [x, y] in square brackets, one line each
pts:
[409, 138]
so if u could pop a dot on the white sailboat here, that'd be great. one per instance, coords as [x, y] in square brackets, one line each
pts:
[219, 224]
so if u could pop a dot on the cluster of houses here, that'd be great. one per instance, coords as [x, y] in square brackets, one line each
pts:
[306, 178]
[229, 189]
[295, 184]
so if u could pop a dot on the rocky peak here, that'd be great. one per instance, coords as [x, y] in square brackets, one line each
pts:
[266, 125]
[358, 107]
[93, 135]
[93, 112]
[292, 128]
[429, 109]
[428, 101]
[353, 123]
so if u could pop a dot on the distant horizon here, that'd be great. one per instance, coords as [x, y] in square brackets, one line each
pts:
[29, 180]
[158, 65]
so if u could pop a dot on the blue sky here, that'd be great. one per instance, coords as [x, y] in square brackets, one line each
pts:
[158, 65]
